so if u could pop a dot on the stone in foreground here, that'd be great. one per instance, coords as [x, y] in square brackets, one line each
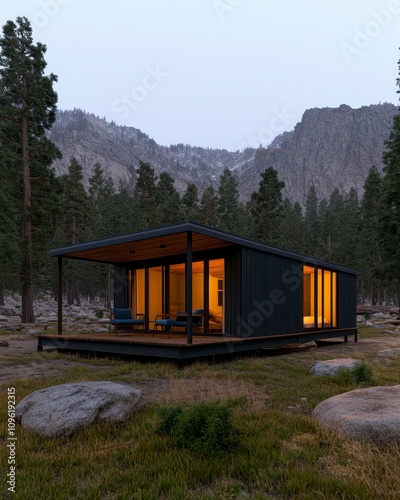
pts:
[64, 409]
[332, 367]
[371, 414]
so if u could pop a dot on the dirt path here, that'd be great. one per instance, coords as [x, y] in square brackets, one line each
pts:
[15, 364]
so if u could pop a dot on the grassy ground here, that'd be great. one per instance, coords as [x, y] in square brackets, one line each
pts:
[282, 452]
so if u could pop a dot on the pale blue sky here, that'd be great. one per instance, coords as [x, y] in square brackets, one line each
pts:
[216, 73]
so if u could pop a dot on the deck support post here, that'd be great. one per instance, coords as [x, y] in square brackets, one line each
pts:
[189, 286]
[60, 297]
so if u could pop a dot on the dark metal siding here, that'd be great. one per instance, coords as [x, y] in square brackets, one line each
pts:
[120, 287]
[347, 300]
[272, 295]
[233, 287]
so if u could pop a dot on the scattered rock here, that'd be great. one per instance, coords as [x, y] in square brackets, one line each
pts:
[7, 311]
[34, 331]
[4, 343]
[369, 323]
[389, 352]
[3, 319]
[64, 409]
[387, 332]
[100, 329]
[381, 315]
[332, 367]
[371, 414]
[360, 319]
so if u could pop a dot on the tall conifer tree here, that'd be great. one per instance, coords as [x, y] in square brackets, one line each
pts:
[370, 250]
[390, 215]
[267, 207]
[27, 111]
[228, 203]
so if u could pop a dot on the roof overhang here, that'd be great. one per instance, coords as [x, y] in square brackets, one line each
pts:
[151, 244]
[169, 241]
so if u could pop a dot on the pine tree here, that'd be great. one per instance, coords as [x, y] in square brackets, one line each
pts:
[208, 208]
[267, 208]
[75, 223]
[312, 223]
[331, 228]
[349, 254]
[190, 203]
[292, 235]
[169, 208]
[370, 250]
[27, 111]
[228, 208]
[144, 198]
[9, 234]
[390, 214]
[97, 280]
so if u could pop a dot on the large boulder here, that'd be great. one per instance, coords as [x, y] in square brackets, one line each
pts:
[332, 367]
[371, 414]
[63, 409]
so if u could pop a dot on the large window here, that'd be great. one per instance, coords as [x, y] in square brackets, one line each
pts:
[165, 291]
[319, 297]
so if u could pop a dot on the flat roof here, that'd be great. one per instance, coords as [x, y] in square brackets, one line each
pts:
[167, 241]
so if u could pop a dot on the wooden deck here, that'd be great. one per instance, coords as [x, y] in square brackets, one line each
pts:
[175, 347]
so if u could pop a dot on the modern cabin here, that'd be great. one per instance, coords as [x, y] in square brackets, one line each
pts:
[247, 291]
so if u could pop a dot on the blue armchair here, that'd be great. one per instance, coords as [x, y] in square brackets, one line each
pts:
[123, 318]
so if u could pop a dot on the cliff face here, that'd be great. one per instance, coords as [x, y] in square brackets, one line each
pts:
[330, 147]
[118, 150]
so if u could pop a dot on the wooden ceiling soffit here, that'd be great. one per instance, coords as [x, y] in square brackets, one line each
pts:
[148, 249]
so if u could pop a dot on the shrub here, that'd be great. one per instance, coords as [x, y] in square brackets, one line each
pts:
[99, 314]
[204, 428]
[357, 375]
[362, 372]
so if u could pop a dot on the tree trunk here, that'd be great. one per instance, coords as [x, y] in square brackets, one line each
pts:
[26, 253]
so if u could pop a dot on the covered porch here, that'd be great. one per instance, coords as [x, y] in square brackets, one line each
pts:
[163, 273]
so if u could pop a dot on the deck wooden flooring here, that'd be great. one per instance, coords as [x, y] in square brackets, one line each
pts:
[175, 347]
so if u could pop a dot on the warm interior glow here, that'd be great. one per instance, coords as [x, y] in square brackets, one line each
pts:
[155, 296]
[139, 290]
[327, 298]
[216, 293]
[177, 287]
[308, 296]
[321, 291]
[334, 295]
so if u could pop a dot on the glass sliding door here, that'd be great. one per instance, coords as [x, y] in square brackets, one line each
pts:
[162, 290]
[319, 298]
[309, 296]
[216, 295]
[155, 292]
[177, 288]
[138, 295]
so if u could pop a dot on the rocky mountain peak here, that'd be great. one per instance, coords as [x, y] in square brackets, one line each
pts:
[330, 148]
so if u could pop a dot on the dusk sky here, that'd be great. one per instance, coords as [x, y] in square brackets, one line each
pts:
[215, 73]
